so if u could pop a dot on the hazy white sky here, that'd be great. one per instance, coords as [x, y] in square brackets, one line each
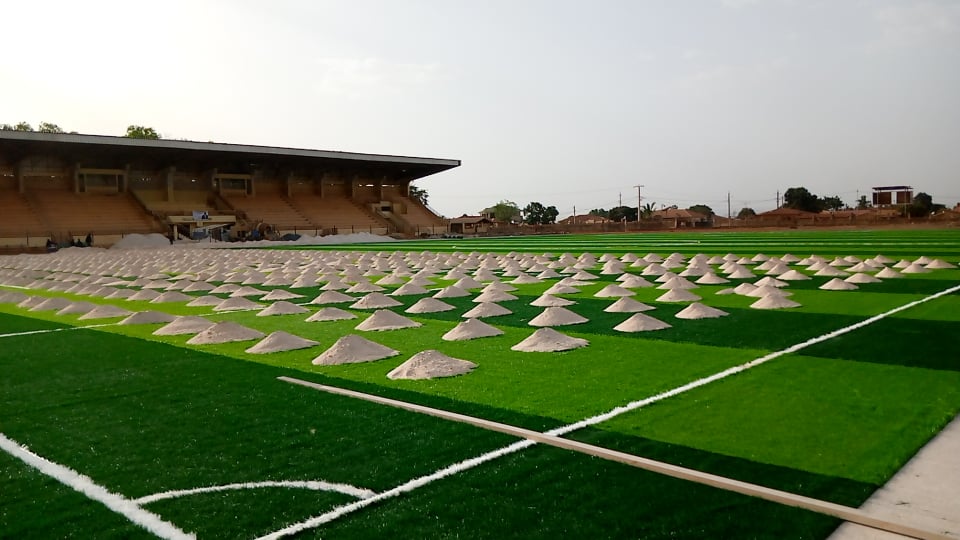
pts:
[566, 103]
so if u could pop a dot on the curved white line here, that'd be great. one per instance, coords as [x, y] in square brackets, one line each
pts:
[315, 485]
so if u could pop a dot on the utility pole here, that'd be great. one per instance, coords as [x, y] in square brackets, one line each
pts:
[639, 198]
[620, 199]
[728, 208]
[778, 198]
[574, 214]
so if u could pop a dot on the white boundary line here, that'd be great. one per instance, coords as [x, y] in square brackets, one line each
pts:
[470, 463]
[314, 485]
[118, 503]
[51, 330]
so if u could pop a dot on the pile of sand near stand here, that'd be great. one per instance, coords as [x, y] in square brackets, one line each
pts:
[939, 264]
[184, 325]
[486, 309]
[678, 295]
[837, 284]
[333, 297]
[431, 364]
[105, 312]
[375, 300]
[494, 296]
[774, 301]
[77, 308]
[557, 288]
[145, 294]
[239, 303]
[640, 322]
[548, 300]
[280, 294]
[330, 314]
[353, 349]
[429, 305]
[557, 316]
[171, 296]
[280, 341]
[862, 278]
[451, 292]
[51, 304]
[409, 289]
[634, 281]
[12, 297]
[205, 301]
[384, 319]
[627, 305]
[549, 340]
[225, 332]
[282, 308]
[793, 275]
[888, 273]
[471, 329]
[613, 291]
[148, 317]
[710, 278]
[697, 310]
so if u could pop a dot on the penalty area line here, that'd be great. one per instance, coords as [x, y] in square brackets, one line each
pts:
[84, 485]
[51, 330]
[527, 442]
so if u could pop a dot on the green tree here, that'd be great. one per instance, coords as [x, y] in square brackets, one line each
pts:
[22, 126]
[47, 127]
[618, 213]
[800, 198]
[647, 210]
[141, 132]
[6, 127]
[536, 213]
[419, 194]
[746, 213]
[505, 211]
[862, 203]
[832, 203]
[921, 206]
[701, 209]
[599, 212]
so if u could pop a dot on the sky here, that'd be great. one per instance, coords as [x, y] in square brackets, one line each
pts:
[568, 103]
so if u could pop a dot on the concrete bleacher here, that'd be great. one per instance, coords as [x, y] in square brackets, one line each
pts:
[184, 204]
[339, 213]
[65, 212]
[419, 217]
[20, 221]
[271, 209]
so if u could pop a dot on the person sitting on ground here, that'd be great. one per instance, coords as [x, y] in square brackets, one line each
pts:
[89, 240]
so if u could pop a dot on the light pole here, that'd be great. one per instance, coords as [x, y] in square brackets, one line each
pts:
[639, 198]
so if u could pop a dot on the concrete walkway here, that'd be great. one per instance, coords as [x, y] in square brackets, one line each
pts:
[925, 493]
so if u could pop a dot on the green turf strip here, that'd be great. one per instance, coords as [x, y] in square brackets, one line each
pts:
[33, 505]
[854, 420]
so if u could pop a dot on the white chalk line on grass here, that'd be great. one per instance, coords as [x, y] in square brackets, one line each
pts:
[83, 484]
[470, 463]
[50, 330]
[314, 485]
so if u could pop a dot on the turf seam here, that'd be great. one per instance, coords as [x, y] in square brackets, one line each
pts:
[470, 463]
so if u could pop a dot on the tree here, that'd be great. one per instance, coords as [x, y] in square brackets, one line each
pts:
[701, 209]
[47, 127]
[646, 212]
[801, 199]
[921, 206]
[141, 132]
[862, 203]
[6, 127]
[832, 203]
[537, 214]
[505, 211]
[746, 213]
[419, 194]
[22, 126]
[618, 213]
[599, 212]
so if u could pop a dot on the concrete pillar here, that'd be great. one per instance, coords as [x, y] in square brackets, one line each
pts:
[170, 171]
[21, 185]
[76, 178]
[288, 182]
[125, 179]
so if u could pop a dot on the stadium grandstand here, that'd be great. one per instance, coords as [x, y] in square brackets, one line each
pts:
[62, 187]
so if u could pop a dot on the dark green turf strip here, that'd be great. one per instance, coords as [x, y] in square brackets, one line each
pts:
[550, 493]
[11, 324]
[33, 505]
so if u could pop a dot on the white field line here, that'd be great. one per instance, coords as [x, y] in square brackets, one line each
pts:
[315, 485]
[118, 503]
[470, 463]
[50, 330]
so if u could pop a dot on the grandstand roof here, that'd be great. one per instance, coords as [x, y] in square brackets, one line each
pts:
[18, 144]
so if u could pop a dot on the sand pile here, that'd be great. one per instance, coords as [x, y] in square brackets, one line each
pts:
[744, 289]
[148, 317]
[774, 301]
[558, 288]
[331, 314]
[451, 292]
[239, 303]
[224, 332]
[12, 297]
[741, 272]
[332, 297]
[375, 300]
[121, 293]
[678, 295]
[639, 322]
[837, 284]
[361, 287]
[627, 305]
[431, 364]
[145, 294]
[226, 288]
[51, 304]
[183, 325]
[767, 290]
[557, 316]
[77, 308]
[697, 310]
[613, 291]
[525, 279]
[862, 278]
[245, 291]
[384, 319]
[487, 309]
[282, 308]
[429, 305]
[793, 275]
[280, 341]
[770, 282]
[830, 271]
[939, 264]
[105, 312]
[280, 294]
[171, 296]
[471, 329]
[205, 301]
[548, 300]
[494, 296]
[353, 349]
[914, 268]
[466, 283]
[409, 289]
[549, 340]
[710, 278]
[889, 273]
[633, 281]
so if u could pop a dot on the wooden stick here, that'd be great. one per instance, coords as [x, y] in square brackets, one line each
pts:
[845, 513]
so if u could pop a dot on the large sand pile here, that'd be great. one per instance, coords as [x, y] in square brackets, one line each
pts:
[837, 284]
[471, 329]
[51, 304]
[627, 305]
[331, 314]
[352, 349]
[225, 332]
[148, 317]
[709, 278]
[205, 301]
[12, 297]
[678, 295]
[697, 310]
[332, 297]
[184, 325]
[105, 312]
[280, 341]
[774, 301]
[237, 304]
[487, 309]
[282, 308]
[888, 273]
[77, 308]
[640, 322]
[429, 305]
[409, 289]
[557, 316]
[549, 340]
[548, 300]
[451, 292]
[384, 319]
[170, 297]
[280, 294]
[430, 365]
[145, 294]
[862, 278]
[613, 291]
[375, 300]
